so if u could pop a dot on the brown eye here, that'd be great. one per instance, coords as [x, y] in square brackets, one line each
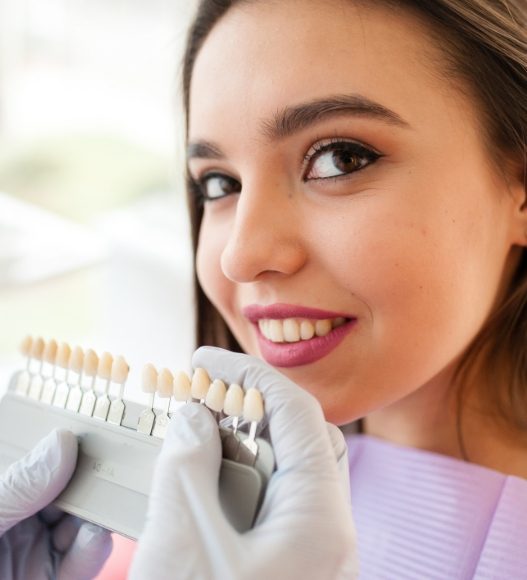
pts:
[215, 186]
[337, 159]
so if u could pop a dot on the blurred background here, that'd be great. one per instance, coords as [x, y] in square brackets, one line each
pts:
[94, 241]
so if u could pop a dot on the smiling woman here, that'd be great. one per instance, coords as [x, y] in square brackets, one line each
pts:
[356, 180]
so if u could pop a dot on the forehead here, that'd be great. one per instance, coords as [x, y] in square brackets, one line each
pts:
[263, 56]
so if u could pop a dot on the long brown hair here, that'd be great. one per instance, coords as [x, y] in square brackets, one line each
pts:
[484, 43]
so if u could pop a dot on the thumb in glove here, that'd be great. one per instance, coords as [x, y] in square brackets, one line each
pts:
[184, 500]
[36, 479]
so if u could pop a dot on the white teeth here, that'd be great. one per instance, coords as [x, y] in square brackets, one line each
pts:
[276, 331]
[294, 330]
[291, 330]
[307, 330]
[322, 327]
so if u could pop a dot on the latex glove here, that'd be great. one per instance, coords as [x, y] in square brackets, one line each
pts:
[304, 528]
[39, 542]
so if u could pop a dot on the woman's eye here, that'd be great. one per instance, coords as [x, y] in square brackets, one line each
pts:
[215, 186]
[337, 158]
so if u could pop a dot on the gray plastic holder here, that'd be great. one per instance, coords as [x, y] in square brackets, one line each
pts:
[111, 483]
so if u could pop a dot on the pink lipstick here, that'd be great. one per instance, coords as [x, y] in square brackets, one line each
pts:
[302, 352]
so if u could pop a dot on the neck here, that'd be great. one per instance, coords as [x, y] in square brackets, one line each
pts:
[428, 419]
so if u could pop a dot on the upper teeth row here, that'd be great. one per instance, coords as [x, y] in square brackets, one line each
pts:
[293, 329]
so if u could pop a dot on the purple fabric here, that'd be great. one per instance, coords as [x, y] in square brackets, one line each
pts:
[424, 516]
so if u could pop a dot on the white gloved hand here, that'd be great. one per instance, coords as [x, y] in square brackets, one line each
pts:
[304, 528]
[38, 541]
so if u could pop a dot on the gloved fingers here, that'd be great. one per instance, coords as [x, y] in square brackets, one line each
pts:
[87, 554]
[296, 423]
[36, 479]
[337, 441]
[65, 532]
[50, 515]
[185, 484]
[184, 513]
[341, 454]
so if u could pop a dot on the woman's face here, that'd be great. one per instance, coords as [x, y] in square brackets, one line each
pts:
[356, 236]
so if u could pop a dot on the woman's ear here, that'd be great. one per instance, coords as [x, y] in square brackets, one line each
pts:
[517, 186]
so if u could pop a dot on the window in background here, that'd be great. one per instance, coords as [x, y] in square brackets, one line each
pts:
[88, 92]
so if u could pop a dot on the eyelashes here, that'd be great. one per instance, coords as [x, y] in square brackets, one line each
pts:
[334, 158]
[328, 159]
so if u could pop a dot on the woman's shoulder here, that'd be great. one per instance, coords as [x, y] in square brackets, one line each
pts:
[442, 516]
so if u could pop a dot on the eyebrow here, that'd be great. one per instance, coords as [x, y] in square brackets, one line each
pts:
[290, 120]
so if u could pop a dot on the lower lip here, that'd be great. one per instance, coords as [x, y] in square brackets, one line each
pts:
[303, 352]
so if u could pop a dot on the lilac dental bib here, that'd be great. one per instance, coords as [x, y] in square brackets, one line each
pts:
[424, 516]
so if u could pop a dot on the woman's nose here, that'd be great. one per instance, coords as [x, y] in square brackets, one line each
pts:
[266, 238]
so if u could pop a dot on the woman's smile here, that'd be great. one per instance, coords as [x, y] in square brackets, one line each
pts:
[290, 336]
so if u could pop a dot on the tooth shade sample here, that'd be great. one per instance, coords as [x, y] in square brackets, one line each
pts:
[233, 405]
[50, 351]
[253, 405]
[37, 349]
[25, 345]
[120, 370]
[291, 330]
[76, 359]
[91, 362]
[104, 370]
[322, 327]
[307, 330]
[149, 379]
[200, 384]
[216, 396]
[63, 355]
[276, 330]
[181, 387]
[165, 383]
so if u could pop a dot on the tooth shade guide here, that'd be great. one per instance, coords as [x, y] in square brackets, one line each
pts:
[102, 407]
[50, 352]
[48, 390]
[102, 386]
[120, 369]
[215, 398]
[146, 420]
[91, 362]
[252, 411]
[253, 405]
[63, 355]
[37, 348]
[22, 383]
[165, 383]
[200, 384]
[74, 398]
[35, 387]
[116, 412]
[233, 405]
[76, 360]
[26, 345]
[104, 368]
[149, 379]
[117, 408]
[61, 395]
[88, 403]
[182, 388]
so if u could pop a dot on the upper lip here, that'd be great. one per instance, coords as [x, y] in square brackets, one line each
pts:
[255, 312]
